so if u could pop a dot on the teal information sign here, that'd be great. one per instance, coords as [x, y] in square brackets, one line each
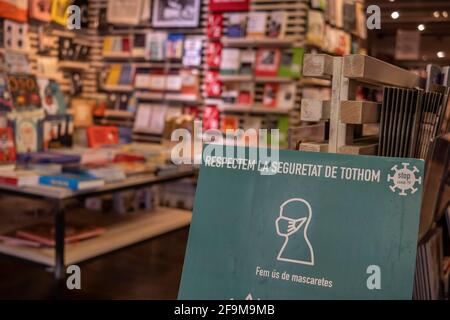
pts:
[303, 226]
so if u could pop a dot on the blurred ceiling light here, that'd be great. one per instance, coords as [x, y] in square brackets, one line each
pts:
[436, 14]
[441, 54]
[445, 14]
[395, 15]
[421, 27]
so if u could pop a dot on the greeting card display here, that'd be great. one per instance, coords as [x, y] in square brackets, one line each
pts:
[27, 130]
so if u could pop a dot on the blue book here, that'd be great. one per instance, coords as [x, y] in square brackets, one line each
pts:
[47, 157]
[72, 181]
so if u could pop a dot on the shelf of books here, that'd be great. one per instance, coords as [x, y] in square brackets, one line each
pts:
[253, 59]
[111, 233]
[139, 62]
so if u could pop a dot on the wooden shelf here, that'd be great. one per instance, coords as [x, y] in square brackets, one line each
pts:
[178, 97]
[260, 109]
[274, 79]
[131, 229]
[236, 77]
[119, 114]
[117, 55]
[149, 95]
[255, 42]
[312, 82]
[73, 65]
[118, 88]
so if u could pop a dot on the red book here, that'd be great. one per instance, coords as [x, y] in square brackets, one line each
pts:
[19, 178]
[98, 136]
[128, 157]
[44, 233]
[7, 149]
[267, 62]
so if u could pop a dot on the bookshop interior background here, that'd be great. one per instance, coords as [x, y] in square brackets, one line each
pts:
[86, 116]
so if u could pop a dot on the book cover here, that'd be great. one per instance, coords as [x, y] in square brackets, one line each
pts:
[190, 82]
[246, 94]
[192, 55]
[125, 12]
[256, 24]
[286, 96]
[15, 36]
[19, 178]
[98, 136]
[52, 97]
[40, 10]
[7, 148]
[57, 131]
[229, 123]
[316, 28]
[270, 95]
[24, 91]
[27, 130]
[114, 73]
[44, 233]
[214, 27]
[291, 63]
[230, 61]
[82, 112]
[267, 62]
[126, 74]
[16, 63]
[47, 157]
[237, 25]
[71, 181]
[150, 118]
[155, 45]
[174, 46]
[277, 24]
[247, 62]
[14, 10]
[58, 12]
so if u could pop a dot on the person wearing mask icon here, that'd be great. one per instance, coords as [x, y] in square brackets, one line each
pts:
[292, 224]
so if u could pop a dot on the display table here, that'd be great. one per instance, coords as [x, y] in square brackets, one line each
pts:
[118, 236]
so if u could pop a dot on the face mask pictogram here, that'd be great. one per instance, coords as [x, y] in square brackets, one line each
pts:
[292, 224]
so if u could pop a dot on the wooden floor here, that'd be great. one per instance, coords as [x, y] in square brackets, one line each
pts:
[150, 270]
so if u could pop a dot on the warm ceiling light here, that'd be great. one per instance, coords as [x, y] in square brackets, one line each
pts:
[436, 14]
[391, 0]
[395, 15]
[421, 27]
[441, 54]
[445, 14]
